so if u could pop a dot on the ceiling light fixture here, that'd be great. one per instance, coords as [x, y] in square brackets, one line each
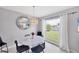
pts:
[34, 19]
[33, 11]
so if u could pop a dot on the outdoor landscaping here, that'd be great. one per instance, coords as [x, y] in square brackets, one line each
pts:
[53, 36]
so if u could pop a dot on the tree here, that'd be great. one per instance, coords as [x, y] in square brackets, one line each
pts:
[48, 27]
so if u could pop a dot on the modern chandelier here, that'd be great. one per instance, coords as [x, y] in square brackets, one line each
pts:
[34, 18]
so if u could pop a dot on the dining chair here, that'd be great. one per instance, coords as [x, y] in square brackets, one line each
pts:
[39, 48]
[39, 33]
[2, 44]
[21, 48]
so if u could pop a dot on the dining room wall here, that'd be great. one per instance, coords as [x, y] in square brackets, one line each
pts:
[8, 29]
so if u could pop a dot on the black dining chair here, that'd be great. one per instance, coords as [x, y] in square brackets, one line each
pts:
[39, 48]
[21, 48]
[3, 44]
[43, 46]
[39, 33]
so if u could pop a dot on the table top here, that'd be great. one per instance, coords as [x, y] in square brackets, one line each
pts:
[30, 42]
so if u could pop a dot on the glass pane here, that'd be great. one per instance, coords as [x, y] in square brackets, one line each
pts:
[52, 30]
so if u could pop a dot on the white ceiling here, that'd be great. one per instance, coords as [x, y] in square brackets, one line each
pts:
[39, 11]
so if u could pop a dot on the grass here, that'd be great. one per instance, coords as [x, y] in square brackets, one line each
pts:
[53, 36]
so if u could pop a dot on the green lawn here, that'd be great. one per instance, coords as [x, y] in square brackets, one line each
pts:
[53, 36]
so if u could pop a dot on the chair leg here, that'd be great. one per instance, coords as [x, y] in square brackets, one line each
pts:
[7, 48]
[43, 51]
[27, 51]
[1, 49]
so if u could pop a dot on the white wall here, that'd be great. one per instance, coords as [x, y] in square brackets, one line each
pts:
[8, 29]
[39, 25]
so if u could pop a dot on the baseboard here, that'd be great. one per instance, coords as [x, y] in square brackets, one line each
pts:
[74, 51]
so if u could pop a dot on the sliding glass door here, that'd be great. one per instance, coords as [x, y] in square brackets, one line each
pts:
[52, 33]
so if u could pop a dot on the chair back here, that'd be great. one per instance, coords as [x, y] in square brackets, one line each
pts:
[1, 40]
[43, 45]
[37, 49]
[16, 43]
[39, 33]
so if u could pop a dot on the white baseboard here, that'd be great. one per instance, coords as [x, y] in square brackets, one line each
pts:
[74, 51]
